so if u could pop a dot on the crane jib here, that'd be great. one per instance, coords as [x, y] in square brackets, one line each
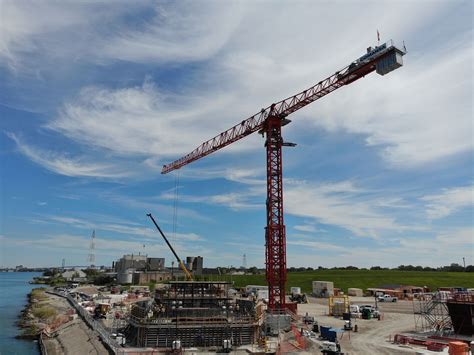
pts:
[356, 70]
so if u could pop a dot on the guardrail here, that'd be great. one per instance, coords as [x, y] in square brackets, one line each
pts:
[110, 343]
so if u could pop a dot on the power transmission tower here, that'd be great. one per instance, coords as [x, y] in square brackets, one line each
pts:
[63, 264]
[91, 257]
[244, 262]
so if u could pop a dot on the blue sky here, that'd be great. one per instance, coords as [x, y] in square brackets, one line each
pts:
[96, 96]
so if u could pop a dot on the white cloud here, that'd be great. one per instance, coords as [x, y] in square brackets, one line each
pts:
[341, 204]
[150, 205]
[139, 121]
[338, 204]
[64, 165]
[249, 63]
[449, 201]
[305, 228]
[103, 246]
[320, 246]
[236, 173]
[186, 31]
[233, 200]
[406, 115]
[35, 34]
[124, 227]
[447, 247]
[456, 238]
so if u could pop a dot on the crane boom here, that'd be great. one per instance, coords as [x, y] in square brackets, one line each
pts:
[284, 107]
[189, 276]
[269, 121]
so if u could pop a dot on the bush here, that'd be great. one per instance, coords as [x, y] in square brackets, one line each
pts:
[38, 294]
[44, 312]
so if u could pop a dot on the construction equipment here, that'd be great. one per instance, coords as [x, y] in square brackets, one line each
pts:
[189, 276]
[269, 121]
[298, 298]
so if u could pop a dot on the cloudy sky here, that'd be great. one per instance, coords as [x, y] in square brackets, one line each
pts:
[95, 96]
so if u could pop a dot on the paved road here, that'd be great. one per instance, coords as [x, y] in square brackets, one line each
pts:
[404, 307]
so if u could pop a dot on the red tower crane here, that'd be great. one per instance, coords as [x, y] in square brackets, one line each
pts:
[269, 121]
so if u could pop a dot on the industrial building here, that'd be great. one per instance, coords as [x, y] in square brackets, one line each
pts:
[141, 269]
[195, 264]
[138, 262]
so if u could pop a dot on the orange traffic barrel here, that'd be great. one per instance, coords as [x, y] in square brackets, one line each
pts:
[458, 348]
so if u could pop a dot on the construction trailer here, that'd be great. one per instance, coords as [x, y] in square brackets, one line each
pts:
[356, 292]
[193, 314]
[323, 289]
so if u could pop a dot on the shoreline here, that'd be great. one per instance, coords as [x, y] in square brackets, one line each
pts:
[52, 322]
[26, 322]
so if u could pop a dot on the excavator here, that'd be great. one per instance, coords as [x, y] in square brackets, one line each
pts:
[187, 273]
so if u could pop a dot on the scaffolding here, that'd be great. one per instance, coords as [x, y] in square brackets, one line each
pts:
[195, 313]
[338, 305]
[431, 314]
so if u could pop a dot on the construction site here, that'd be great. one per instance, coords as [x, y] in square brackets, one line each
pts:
[207, 299]
[191, 316]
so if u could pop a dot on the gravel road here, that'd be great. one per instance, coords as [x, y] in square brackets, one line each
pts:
[373, 335]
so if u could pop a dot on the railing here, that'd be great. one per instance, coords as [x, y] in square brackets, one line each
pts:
[110, 343]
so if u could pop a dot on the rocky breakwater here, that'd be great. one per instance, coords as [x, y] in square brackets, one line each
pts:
[43, 314]
[62, 332]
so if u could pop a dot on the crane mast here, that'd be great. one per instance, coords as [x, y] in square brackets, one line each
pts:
[269, 121]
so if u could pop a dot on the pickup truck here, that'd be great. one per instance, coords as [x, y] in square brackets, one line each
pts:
[386, 298]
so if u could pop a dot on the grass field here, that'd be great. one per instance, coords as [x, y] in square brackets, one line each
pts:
[364, 279]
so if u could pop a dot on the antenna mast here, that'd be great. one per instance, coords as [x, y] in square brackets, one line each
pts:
[91, 257]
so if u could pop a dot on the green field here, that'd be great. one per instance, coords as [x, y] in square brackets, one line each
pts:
[363, 279]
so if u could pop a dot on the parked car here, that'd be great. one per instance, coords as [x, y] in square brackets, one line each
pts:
[386, 298]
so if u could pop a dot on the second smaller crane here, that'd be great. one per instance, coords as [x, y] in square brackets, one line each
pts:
[189, 276]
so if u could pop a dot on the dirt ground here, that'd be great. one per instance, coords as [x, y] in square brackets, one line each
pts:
[74, 337]
[373, 335]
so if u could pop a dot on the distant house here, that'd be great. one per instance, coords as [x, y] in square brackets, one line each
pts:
[74, 275]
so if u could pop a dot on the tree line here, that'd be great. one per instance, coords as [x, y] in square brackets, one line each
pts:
[451, 268]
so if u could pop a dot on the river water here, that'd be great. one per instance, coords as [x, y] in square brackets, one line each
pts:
[14, 288]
